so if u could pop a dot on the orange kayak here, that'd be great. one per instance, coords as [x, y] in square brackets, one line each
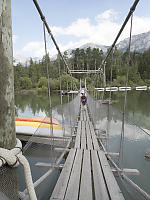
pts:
[37, 119]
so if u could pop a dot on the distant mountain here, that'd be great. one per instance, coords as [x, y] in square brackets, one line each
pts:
[140, 42]
[93, 45]
[87, 45]
[24, 60]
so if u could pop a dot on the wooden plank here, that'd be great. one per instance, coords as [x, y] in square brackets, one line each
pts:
[83, 136]
[100, 189]
[79, 127]
[87, 115]
[86, 181]
[113, 188]
[89, 139]
[83, 143]
[61, 185]
[81, 115]
[77, 141]
[74, 183]
[94, 139]
[83, 129]
[84, 114]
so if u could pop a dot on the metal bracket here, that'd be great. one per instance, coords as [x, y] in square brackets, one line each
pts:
[51, 165]
[127, 171]
[111, 154]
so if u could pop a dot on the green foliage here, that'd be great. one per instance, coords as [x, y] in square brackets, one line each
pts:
[42, 89]
[34, 74]
[54, 84]
[25, 83]
[120, 81]
[42, 82]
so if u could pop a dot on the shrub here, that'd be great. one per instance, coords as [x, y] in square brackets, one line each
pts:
[25, 83]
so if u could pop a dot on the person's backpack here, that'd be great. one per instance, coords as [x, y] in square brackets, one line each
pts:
[83, 99]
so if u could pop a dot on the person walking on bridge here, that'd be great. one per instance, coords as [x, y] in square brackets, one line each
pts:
[83, 100]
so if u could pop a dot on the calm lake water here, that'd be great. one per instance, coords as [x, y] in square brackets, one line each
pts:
[106, 118]
[136, 140]
[33, 104]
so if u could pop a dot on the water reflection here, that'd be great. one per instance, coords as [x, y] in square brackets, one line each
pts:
[105, 118]
[36, 104]
[109, 118]
[32, 104]
[138, 106]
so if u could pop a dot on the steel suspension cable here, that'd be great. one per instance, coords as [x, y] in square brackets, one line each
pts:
[52, 37]
[47, 68]
[111, 73]
[61, 98]
[49, 89]
[108, 107]
[125, 100]
[49, 97]
[132, 9]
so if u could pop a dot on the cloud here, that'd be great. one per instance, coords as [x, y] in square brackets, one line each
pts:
[141, 24]
[103, 30]
[20, 59]
[35, 48]
[79, 28]
[107, 15]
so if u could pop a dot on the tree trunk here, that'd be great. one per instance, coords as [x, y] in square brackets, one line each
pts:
[104, 75]
[7, 114]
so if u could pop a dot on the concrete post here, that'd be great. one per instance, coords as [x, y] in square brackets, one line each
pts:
[7, 125]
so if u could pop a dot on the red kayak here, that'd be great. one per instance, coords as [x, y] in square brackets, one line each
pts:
[37, 119]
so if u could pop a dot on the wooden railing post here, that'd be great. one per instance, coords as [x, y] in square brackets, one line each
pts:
[7, 125]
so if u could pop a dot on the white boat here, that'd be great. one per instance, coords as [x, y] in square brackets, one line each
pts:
[113, 89]
[141, 88]
[73, 92]
[100, 89]
[124, 88]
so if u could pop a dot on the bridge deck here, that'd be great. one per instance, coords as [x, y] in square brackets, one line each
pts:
[86, 173]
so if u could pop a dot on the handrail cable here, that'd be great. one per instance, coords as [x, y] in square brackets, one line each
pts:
[49, 93]
[111, 73]
[61, 98]
[108, 105]
[125, 99]
[52, 37]
[49, 90]
[132, 9]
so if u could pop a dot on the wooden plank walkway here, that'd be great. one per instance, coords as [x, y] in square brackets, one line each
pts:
[86, 173]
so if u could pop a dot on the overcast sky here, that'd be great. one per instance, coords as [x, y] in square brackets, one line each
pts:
[73, 23]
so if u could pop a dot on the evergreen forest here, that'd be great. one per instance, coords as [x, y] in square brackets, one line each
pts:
[34, 74]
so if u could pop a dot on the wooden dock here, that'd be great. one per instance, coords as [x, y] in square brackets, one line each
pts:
[86, 173]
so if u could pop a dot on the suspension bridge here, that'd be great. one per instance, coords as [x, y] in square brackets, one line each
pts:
[87, 172]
